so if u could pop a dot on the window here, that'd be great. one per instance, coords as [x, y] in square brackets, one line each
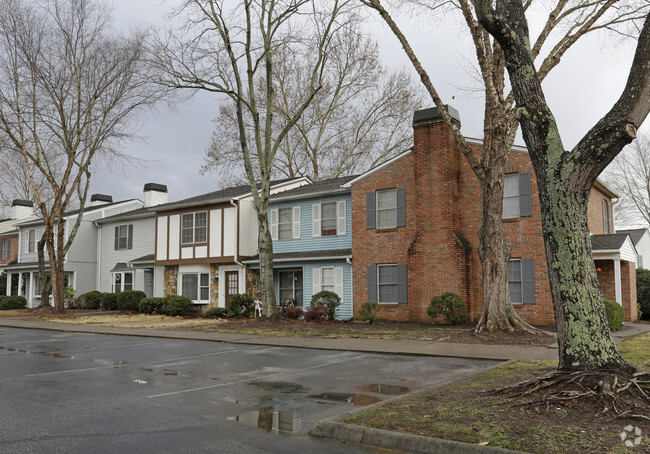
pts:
[196, 286]
[607, 217]
[285, 223]
[328, 278]
[328, 218]
[5, 249]
[30, 240]
[521, 281]
[122, 281]
[386, 209]
[388, 284]
[290, 286]
[123, 237]
[516, 196]
[194, 228]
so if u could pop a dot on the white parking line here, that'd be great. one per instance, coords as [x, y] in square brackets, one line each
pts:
[167, 361]
[293, 371]
[73, 370]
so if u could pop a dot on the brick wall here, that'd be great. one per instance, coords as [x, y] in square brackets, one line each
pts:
[13, 251]
[595, 212]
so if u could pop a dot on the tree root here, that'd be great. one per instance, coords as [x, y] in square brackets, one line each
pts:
[621, 394]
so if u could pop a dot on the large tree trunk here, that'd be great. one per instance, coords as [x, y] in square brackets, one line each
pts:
[265, 246]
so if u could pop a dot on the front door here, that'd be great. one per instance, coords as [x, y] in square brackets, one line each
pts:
[232, 285]
[291, 286]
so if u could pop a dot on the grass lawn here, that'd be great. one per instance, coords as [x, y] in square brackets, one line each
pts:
[466, 411]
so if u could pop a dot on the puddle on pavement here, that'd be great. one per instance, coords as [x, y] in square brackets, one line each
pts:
[279, 386]
[379, 388]
[359, 400]
[273, 421]
[103, 362]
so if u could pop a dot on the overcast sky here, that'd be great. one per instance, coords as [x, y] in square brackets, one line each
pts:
[580, 91]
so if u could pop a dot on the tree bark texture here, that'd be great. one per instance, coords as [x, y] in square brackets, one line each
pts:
[265, 247]
[564, 180]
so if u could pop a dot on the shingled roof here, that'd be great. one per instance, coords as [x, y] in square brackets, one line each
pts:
[610, 242]
[635, 234]
[328, 186]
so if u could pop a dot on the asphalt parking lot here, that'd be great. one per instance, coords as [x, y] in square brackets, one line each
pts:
[73, 392]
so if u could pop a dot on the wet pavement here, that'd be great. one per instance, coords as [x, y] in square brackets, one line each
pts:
[75, 392]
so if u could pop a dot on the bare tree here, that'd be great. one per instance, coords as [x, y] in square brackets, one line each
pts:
[565, 179]
[567, 22]
[629, 176]
[359, 118]
[69, 92]
[235, 50]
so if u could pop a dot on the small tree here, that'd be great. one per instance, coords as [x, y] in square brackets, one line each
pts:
[327, 299]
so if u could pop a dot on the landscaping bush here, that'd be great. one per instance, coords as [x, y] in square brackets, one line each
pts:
[293, 313]
[151, 306]
[242, 305]
[317, 314]
[175, 305]
[614, 314]
[90, 300]
[8, 303]
[216, 312]
[368, 312]
[327, 299]
[69, 299]
[449, 305]
[108, 301]
[643, 292]
[128, 300]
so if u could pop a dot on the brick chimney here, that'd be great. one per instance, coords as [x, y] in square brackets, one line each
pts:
[21, 209]
[154, 194]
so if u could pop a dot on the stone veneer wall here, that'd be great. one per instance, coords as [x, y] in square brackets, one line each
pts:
[170, 285]
[214, 286]
[253, 287]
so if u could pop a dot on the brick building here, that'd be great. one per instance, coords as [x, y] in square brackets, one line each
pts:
[415, 225]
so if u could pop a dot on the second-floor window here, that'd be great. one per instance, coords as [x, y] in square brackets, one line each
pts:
[516, 196]
[194, 228]
[386, 209]
[329, 218]
[30, 240]
[5, 249]
[607, 217]
[123, 237]
[285, 223]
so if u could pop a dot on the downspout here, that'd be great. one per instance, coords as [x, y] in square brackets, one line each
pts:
[236, 260]
[99, 259]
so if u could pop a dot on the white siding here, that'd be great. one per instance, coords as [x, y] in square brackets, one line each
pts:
[158, 281]
[187, 253]
[643, 250]
[161, 253]
[627, 251]
[143, 244]
[174, 236]
[247, 228]
[229, 231]
[201, 252]
[215, 233]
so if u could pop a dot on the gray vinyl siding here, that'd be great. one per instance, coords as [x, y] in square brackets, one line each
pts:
[143, 244]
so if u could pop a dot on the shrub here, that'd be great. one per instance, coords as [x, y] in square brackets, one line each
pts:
[69, 299]
[293, 313]
[317, 314]
[242, 305]
[90, 300]
[449, 305]
[150, 306]
[643, 292]
[327, 299]
[109, 301]
[12, 302]
[368, 312]
[614, 314]
[175, 305]
[216, 312]
[128, 300]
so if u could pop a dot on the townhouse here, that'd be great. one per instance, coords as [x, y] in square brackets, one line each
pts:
[415, 232]
[311, 228]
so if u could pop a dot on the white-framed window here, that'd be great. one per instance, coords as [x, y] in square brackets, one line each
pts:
[5, 249]
[387, 209]
[285, 223]
[122, 281]
[195, 286]
[607, 217]
[194, 227]
[387, 284]
[123, 237]
[37, 284]
[328, 220]
[521, 281]
[30, 240]
[517, 200]
[328, 278]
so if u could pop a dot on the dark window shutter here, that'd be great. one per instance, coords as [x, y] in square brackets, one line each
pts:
[401, 208]
[117, 233]
[528, 281]
[372, 284]
[370, 211]
[525, 201]
[130, 241]
[402, 284]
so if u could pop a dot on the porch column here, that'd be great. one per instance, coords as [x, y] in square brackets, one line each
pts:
[617, 282]
[8, 290]
[20, 284]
